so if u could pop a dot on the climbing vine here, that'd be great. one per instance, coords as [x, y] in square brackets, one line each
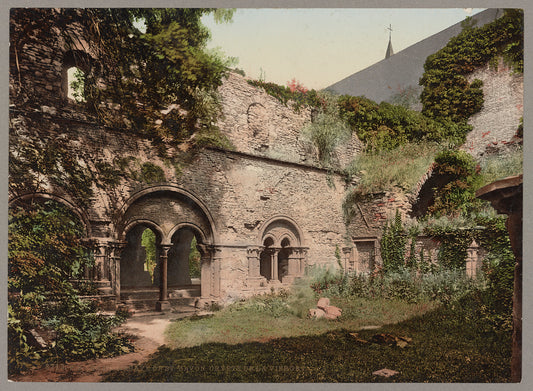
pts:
[447, 95]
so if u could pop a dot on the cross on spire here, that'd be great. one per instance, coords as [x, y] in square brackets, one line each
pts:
[389, 52]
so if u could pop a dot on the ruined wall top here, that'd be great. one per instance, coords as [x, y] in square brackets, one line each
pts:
[255, 122]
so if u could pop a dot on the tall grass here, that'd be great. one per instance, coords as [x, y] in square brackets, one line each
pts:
[401, 167]
[442, 286]
[497, 167]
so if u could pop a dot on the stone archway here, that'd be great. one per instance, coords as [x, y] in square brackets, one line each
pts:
[177, 218]
[281, 256]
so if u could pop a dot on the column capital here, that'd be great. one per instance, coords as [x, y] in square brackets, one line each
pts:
[254, 250]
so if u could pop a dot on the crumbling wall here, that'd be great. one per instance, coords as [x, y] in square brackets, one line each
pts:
[495, 126]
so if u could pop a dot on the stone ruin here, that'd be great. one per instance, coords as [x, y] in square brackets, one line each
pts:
[261, 214]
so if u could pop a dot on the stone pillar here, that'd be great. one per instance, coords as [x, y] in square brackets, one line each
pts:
[252, 253]
[163, 304]
[115, 253]
[302, 259]
[102, 271]
[254, 278]
[215, 268]
[274, 264]
[347, 257]
[472, 259]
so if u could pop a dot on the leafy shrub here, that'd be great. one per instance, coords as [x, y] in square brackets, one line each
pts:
[386, 126]
[151, 173]
[272, 304]
[327, 129]
[444, 286]
[393, 242]
[462, 179]
[45, 252]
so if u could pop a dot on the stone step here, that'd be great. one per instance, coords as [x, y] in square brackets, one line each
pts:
[146, 305]
[149, 293]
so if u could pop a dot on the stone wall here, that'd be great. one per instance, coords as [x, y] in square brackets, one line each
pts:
[258, 124]
[496, 124]
[272, 184]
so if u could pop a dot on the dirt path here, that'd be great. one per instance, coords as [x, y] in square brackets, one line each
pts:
[149, 328]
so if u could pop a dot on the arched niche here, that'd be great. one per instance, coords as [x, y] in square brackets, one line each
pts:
[282, 258]
[29, 198]
[168, 207]
[279, 228]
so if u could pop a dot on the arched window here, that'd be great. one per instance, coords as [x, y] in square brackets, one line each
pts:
[76, 66]
[76, 84]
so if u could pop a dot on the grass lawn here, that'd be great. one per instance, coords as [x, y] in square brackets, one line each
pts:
[249, 345]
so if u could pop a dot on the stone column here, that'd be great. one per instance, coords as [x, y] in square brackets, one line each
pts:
[115, 253]
[274, 264]
[472, 259]
[163, 304]
[254, 278]
[215, 268]
[347, 255]
[102, 273]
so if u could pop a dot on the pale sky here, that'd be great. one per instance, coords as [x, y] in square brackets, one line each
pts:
[320, 46]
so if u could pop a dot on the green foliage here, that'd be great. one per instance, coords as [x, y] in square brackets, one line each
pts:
[462, 179]
[148, 242]
[34, 161]
[298, 97]
[151, 173]
[45, 251]
[393, 242]
[500, 166]
[213, 138]
[399, 168]
[444, 286]
[195, 270]
[499, 263]
[45, 248]
[447, 95]
[455, 343]
[78, 85]
[386, 126]
[326, 131]
[153, 79]
[407, 98]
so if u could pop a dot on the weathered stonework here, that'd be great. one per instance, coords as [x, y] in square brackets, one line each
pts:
[495, 126]
[261, 214]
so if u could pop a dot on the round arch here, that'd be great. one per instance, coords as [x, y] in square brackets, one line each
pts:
[280, 227]
[204, 239]
[80, 213]
[148, 224]
[171, 189]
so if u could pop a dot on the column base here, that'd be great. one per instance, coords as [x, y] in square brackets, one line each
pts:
[162, 306]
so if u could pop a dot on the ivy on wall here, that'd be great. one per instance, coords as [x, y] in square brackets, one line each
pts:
[447, 95]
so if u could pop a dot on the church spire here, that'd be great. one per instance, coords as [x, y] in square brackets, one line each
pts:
[390, 52]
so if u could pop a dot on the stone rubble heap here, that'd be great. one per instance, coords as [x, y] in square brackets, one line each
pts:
[324, 310]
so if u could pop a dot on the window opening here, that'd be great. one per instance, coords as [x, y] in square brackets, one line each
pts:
[76, 84]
